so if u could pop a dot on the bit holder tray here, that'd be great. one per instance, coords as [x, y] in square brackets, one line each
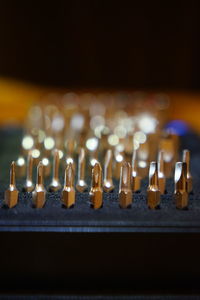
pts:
[54, 217]
[134, 249]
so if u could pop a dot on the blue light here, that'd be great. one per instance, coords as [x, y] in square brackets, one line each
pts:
[178, 127]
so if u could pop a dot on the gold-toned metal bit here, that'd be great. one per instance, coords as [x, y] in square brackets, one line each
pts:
[29, 185]
[20, 167]
[161, 175]
[186, 159]
[47, 166]
[168, 147]
[136, 179]
[55, 184]
[108, 185]
[96, 192]
[36, 154]
[180, 181]
[153, 191]
[70, 146]
[39, 193]
[119, 159]
[81, 185]
[68, 192]
[125, 191]
[11, 194]
[143, 159]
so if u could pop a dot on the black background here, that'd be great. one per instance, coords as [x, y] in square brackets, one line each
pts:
[139, 44]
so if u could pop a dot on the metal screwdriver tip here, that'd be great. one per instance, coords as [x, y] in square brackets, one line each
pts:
[180, 181]
[20, 167]
[39, 193]
[29, 185]
[119, 159]
[96, 192]
[136, 179]
[81, 185]
[55, 184]
[186, 159]
[11, 194]
[161, 175]
[108, 185]
[68, 192]
[125, 191]
[153, 191]
[47, 166]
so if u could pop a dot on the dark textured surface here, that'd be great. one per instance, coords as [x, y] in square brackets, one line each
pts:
[83, 218]
[101, 297]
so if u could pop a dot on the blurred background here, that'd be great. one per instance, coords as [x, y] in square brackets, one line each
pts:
[46, 45]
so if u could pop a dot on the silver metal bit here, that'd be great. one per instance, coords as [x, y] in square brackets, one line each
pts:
[186, 159]
[153, 191]
[11, 194]
[108, 185]
[180, 180]
[125, 191]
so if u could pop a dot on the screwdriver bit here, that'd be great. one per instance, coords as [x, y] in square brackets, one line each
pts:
[55, 184]
[29, 185]
[70, 146]
[161, 175]
[186, 159]
[119, 159]
[96, 192]
[153, 192]
[167, 146]
[108, 185]
[143, 159]
[125, 191]
[20, 167]
[81, 185]
[47, 166]
[180, 180]
[11, 194]
[68, 192]
[136, 179]
[39, 193]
